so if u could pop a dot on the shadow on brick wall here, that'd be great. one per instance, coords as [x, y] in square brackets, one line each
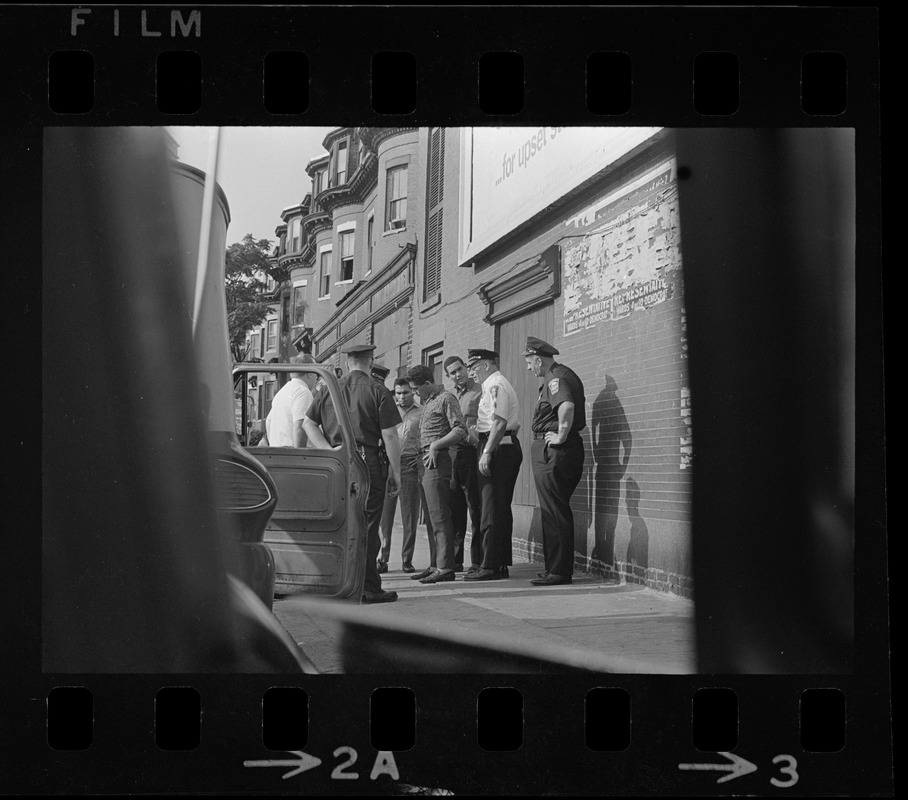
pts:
[609, 441]
[638, 546]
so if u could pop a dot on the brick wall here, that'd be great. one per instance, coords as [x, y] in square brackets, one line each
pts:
[632, 508]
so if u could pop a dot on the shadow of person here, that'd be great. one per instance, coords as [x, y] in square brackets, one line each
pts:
[610, 441]
[638, 546]
[582, 499]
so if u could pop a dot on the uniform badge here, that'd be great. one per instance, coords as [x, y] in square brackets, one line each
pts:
[553, 385]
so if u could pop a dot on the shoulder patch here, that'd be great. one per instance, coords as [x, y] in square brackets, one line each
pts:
[494, 391]
[554, 384]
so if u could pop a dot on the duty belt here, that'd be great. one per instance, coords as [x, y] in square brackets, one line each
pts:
[541, 434]
[363, 448]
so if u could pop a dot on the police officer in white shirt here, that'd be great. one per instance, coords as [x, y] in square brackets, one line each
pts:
[500, 456]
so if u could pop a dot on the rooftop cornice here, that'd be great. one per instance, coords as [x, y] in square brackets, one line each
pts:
[317, 163]
[315, 221]
[333, 136]
[373, 137]
[292, 211]
[354, 190]
[279, 272]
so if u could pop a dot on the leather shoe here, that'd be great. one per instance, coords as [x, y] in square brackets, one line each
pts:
[503, 572]
[542, 574]
[484, 575]
[382, 566]
[473, 569]
[438, 576]
[408, 567]
[379, 597]
[420, 575]
[551, 580]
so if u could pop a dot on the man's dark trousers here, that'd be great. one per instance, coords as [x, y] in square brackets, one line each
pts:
[496, 492]
[412, 499]
[375, 502]
[557, 470]
[464, 498]
[437, 485]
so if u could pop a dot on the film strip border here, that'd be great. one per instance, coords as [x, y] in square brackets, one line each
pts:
[686, 66]
[474, 735]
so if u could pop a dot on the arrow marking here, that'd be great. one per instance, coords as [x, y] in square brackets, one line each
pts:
[302, 762]
[738, 767]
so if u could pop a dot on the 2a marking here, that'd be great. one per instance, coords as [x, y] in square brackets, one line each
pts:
[384, 764]
[338, 773]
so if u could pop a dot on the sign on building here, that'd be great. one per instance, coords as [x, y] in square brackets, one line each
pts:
[511, 174]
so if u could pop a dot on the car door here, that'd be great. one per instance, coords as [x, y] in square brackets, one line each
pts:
[317, 532]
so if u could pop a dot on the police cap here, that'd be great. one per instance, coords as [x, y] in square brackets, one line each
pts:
[537, 347]
[479, 355]
[358, 349]
[381, 372]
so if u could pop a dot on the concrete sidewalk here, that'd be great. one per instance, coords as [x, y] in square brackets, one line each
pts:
[622, 621]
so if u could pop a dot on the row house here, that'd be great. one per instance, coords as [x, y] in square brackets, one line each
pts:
[349, 248]
[267, 342]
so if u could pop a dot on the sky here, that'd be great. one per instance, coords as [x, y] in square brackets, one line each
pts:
[261, 170]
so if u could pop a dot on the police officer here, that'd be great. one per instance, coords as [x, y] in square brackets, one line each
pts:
[557, 455]
[499, 459]
[379, 373]
[375, 419]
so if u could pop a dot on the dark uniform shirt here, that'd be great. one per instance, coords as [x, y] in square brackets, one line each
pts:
[371, 407]
[560, 385]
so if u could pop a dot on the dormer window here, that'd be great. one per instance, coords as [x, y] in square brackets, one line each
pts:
[296, 242]
[340, 170]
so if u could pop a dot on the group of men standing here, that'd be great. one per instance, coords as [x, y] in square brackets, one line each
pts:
[457, 455]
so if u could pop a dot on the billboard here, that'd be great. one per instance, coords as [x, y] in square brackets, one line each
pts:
[511, 174]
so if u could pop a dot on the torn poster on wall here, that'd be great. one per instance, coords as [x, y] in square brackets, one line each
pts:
[623, 253]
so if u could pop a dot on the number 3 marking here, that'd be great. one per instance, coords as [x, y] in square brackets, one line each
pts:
[338, 774]
[790, 769]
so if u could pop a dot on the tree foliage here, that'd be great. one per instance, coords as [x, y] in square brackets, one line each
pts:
[245, 265]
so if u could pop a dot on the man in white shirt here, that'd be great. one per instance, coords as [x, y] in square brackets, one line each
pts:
[284, 424]
[500, 457]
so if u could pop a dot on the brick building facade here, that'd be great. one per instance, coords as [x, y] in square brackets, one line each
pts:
[578, 246]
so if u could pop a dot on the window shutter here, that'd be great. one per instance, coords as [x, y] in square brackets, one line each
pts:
[433, 253]
[435, 196]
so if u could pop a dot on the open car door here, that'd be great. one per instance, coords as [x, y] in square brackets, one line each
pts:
[317, 532]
